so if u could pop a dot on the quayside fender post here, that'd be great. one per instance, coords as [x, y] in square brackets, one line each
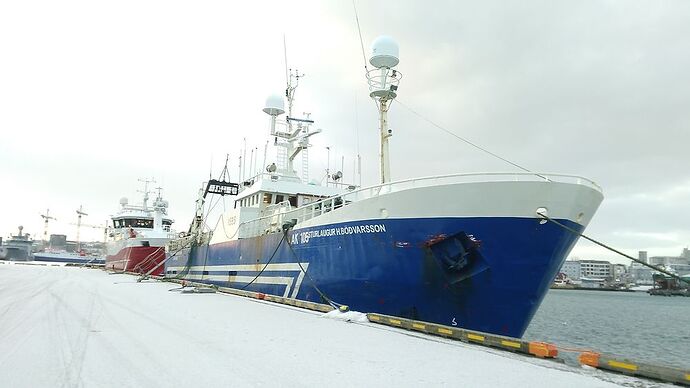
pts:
[383, 85]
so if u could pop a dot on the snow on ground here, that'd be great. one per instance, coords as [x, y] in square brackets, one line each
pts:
[78, 327]
[349, 316]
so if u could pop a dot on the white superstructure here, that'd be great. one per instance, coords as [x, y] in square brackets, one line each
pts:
[140, 225]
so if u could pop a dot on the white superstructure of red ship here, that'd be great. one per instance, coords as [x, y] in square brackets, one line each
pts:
[138, 236]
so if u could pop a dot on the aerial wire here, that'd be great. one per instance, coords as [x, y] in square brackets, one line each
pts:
[468, 141]
[361, 41]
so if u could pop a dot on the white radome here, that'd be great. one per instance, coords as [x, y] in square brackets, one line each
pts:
[275, 106]
[124, 201]
[385, 52]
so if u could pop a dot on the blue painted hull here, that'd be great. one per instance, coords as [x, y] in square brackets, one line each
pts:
[66, 259]
[393, 270]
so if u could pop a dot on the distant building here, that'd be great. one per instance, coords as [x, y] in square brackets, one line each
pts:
[58, 241]
[641, 275]
[642, 256]
[596, 269]
[620, 273]
[571, 268]
[677, 264]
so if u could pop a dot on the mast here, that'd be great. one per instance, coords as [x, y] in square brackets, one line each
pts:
[383, 86]
[146, 191]
[295, 137]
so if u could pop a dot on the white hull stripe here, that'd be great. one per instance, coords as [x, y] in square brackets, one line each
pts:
[282, 267]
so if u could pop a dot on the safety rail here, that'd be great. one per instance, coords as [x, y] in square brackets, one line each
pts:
[273, 222]
[185, 241]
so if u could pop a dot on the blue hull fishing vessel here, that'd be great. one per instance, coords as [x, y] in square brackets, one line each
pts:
[468, 250]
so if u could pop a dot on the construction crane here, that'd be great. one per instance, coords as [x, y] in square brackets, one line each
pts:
[46, 217]
[80, 213]
[104, 227]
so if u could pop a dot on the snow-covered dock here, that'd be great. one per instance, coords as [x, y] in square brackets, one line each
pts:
[67, 326]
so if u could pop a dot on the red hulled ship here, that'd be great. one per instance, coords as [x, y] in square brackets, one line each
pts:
[138, 236]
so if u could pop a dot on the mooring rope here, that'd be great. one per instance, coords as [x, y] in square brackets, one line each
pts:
[571, 230]
[335, 305]
[267, 263]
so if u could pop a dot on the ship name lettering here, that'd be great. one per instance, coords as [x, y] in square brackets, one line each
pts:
[304, 237]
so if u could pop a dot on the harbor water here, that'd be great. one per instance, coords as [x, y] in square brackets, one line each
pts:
[645, 328]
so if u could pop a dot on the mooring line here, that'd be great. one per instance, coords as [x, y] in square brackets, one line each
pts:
[571, 230]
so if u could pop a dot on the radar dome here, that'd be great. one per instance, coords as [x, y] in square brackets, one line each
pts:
[384, 52]
[275, 106]
[124, 201]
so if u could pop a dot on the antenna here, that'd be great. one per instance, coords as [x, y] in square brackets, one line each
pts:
[244, 159]
[251, 163]
[146, 191]
[265, 152]
[256, 160]
[357, 170]
[383, 86]
[287, 76]
[328, 165]
[361, 41]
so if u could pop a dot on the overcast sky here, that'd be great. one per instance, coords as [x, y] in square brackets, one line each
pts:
[94, 95]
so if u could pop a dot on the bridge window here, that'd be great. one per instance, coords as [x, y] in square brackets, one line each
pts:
[268, 198]
[134, 223]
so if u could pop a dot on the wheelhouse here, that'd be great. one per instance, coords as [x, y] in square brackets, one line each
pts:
[139, 223]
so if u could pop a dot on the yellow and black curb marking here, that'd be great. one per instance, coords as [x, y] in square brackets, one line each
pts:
[324, 308]
[634, 368]
[537, 349]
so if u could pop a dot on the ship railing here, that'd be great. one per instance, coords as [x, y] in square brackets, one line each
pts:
[273, 222]
[384, 188]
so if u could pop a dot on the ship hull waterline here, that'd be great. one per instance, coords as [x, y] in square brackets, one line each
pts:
[388, 266]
